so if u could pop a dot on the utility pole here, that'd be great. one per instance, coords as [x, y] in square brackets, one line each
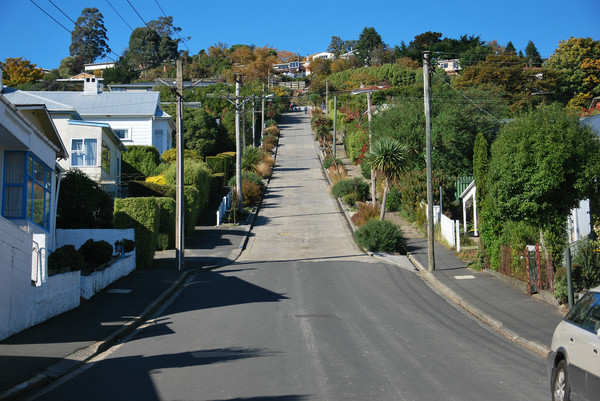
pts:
[327, 98]
[427, 93]
[244, 125]
[262, 118]
[373, 178]
[179, 196]
[238, 144]
[253, 122]
[334, 126]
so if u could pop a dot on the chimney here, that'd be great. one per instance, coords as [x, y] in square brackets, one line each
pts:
[91, 86]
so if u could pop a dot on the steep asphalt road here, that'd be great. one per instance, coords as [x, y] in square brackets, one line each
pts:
[304, 315]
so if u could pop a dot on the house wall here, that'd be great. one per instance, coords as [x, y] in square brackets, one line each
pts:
[22, 304]
[140, 129]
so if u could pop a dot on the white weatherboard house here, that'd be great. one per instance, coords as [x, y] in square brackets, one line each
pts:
[93, 147]
[29, 148]
[135, 117]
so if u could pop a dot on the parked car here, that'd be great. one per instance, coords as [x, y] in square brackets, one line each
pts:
[574, 359]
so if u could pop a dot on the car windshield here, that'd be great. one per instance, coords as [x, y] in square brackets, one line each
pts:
[586, 313]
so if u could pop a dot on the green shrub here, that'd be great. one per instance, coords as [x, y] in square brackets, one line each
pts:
[380, 235]
[350, 199]
[328, 162]
[65, 259]
[95, 253]
[126, 244]
[251, 193]
[216, 163]
[366, 211]
[170, 156]
[143, 159]
[140, 189]
[346, 186]
[143, 215]
[166, 229]
[192, 208]
[82, 203]
[247, 176]
[251, 156]
[195, 174]
[270, 123]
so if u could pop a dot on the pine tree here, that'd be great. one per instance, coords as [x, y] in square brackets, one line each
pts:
[533, 56]
[510, 48]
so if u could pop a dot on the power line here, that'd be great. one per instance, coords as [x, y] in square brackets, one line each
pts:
[138, 14]
[51, 17]
[62, 12]
[123, 19]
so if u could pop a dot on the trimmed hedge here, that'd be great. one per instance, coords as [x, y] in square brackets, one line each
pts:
[216, 163]
[143, 215]
[142, 159]
[166, 229]
[65, 259]
[196, 174]
[95, 253]
[192, 209]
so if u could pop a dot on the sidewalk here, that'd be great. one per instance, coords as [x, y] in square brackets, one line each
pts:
[47, 351]
[526, 320]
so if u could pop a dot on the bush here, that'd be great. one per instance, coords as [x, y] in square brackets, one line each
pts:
[366, 212]
[139, 189]
[143, 215]
[247, 176]
[271, 123]
[143, 159]
[126, 244]
[196, 174]
[328, 162]
[170, 156]
[65, 259]
[216, 163]
[380, 235]
[95, 254]
[272, 131]
[350, 199]
[166, 227]
[251, 156]
[264, 169]
[157, 179]
[82, 203]
[192, 208]
[251, 193]
[356, 185]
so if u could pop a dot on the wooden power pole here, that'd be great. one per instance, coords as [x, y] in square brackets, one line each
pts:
[430, 222]
[179, 197]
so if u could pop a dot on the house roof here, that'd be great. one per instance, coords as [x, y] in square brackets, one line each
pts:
[100, 104]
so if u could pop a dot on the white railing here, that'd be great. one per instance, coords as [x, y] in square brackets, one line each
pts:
[223, 208]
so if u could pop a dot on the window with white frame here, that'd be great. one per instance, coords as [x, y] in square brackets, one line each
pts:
[84, 152]
[27, 188]
[122, 133]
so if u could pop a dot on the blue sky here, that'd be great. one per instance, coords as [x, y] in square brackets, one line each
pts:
[302, 26]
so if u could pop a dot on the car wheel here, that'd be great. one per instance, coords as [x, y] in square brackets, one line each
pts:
[561, 387]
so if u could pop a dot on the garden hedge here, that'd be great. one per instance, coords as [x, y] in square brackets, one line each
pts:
[143, 215]
[166, 229]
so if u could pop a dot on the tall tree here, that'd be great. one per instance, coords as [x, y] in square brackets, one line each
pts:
[18, 71]
[533, 56]
[122, 73]
[89, 39]
[337, 46]
[144, 48]
[368, 41]
[541, 166]
[70, 66]
[577, 82]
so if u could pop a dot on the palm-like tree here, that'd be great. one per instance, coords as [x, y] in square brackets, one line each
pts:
[388, 158]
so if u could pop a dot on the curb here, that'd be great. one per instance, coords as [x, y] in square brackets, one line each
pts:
[495, 324]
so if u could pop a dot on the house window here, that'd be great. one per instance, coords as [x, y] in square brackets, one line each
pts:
[27, 188]
[105, 157]
[122, 133]
[84, 152]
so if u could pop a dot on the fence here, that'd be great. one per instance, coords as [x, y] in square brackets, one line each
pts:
[450, 230]
[223, 208]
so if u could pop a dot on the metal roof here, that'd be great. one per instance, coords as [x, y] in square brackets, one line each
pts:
[100, 104]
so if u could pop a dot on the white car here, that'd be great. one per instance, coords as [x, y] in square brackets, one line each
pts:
[574, 359]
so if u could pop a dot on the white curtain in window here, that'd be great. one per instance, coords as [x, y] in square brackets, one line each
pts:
[77, 152]
[91, 153]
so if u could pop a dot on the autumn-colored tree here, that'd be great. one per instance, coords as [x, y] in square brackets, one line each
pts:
[18, 71]
[576, 63]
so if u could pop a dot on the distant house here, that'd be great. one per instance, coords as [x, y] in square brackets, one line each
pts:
[93, 147]
[449, 66]
[135, 117]
[29, 148]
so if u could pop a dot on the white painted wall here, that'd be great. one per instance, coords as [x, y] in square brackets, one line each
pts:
[22, 303]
